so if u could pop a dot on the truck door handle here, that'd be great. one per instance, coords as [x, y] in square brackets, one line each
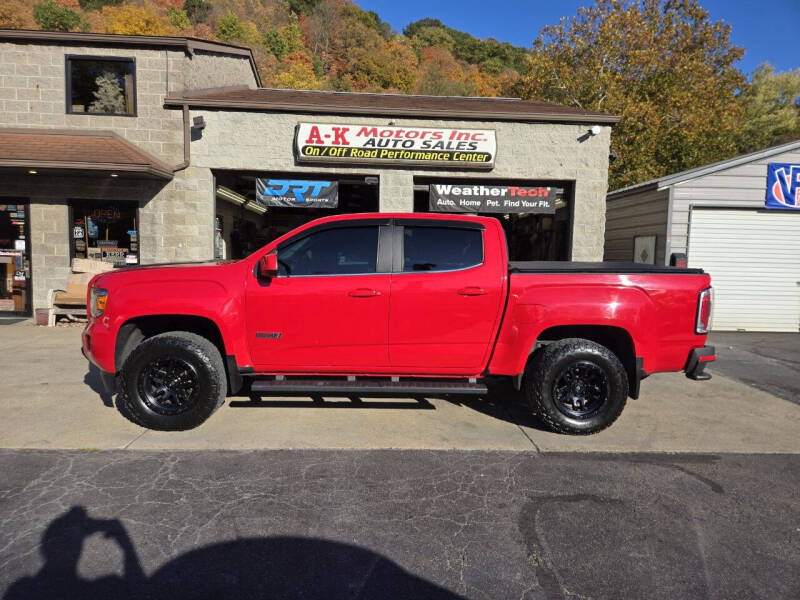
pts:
[472, 291]
[364, 293]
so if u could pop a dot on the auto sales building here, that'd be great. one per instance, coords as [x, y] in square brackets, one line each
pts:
[139, 150]
[738, 219]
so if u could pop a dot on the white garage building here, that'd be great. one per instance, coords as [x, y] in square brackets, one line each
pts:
[738, 219]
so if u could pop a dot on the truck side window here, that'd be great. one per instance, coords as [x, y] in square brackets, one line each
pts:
[441, 248]
[341, 251]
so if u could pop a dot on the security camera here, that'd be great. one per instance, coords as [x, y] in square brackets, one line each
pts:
[594, 130]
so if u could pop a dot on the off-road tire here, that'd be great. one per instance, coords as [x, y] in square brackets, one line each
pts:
[195, 350]
[549, 363]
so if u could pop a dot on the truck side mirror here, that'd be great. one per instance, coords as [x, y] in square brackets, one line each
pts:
[268, 265]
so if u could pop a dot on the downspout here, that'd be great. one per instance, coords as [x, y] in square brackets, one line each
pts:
[186, 141]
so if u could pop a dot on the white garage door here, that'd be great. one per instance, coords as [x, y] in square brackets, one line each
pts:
[753, 258]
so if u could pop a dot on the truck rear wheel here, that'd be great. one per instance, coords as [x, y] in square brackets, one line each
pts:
[576, 386]
[173, 381]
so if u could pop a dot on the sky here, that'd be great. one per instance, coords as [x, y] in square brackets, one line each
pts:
[769, 30]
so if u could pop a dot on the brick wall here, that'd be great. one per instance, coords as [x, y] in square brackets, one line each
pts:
[210, 69]
[176, 218]
[33, 92]
[528, 151]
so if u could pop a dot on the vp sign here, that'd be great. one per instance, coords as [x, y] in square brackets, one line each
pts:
[783, 186]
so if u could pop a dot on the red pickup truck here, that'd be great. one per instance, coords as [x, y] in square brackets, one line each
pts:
[388, 304]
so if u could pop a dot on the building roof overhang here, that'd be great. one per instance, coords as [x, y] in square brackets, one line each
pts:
[386, 105]
[76, 152]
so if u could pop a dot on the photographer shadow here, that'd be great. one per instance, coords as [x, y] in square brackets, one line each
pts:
[266, 567]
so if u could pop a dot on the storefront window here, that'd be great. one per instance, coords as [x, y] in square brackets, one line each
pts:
[245, 225]
[540, 232]
[105, 231]
[100, 85]
[14, 260]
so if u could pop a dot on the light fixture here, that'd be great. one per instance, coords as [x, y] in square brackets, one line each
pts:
[229, 195]
[114, 175]
[256, 208]
[32, 171]
[595, 130]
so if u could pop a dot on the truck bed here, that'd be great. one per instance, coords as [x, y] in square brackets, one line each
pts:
[565, 266]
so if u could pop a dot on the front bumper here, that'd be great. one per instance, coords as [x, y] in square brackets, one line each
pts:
[698, 359]
[88, 347]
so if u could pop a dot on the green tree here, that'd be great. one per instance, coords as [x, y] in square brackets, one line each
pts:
[303, 6]
[230, 28]
[771, 103]
[109, 97]
[197, 10]
[662, 65]
[179, 19]
[499, 56]
[98, 4]
[51, 16]
[293, 36]
[275, 43]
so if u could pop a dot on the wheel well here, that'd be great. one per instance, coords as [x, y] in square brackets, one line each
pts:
[136, 330]
[616, 339]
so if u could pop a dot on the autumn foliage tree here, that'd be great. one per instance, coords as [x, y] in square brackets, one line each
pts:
[663, 65]
[771, 105]
[136, 19]
[53, 16]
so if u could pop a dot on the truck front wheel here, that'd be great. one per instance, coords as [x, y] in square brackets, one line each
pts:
[576, 386]
[173, 381]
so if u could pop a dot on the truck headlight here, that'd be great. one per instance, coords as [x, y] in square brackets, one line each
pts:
[97, 301]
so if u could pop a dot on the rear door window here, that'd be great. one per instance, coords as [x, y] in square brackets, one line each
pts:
[340, 251]
[441, 248]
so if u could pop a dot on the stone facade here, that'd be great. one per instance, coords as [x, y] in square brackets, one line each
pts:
[175, 218]
[261, 141]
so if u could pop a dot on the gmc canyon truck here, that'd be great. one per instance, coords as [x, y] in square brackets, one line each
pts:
[394, 304]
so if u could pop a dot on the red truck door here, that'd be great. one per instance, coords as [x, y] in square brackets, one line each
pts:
[446, 299]
[328, 308]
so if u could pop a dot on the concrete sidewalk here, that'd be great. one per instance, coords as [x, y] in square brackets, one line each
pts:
[51, 399]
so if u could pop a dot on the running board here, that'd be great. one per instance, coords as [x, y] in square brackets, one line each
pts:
[366, 387]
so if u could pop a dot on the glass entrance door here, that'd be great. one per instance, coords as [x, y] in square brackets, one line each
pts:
[105, 231]
[15, 266]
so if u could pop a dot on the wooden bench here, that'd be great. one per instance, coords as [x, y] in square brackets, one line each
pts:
[72, 300]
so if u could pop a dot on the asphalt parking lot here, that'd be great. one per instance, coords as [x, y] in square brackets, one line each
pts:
[53, 400]
[691, 494]
[766, 361]
[398, 525]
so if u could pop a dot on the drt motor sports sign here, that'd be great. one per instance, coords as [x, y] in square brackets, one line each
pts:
[421, 146]
[298, 193]
[482, 198]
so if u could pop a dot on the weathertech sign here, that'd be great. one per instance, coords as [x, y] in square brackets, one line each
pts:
[481, 198]
[467, 148]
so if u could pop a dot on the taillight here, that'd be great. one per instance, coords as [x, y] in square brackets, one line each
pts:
[703, 322]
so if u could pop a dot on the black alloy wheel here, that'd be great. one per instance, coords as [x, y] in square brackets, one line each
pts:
[168, 385]
[580, 389]
[576, 386]
[173, 381]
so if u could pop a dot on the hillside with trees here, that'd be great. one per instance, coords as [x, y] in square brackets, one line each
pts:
[663, 65]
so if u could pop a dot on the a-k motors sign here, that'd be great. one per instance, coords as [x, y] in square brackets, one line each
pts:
[481, 198]
[374, 144]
